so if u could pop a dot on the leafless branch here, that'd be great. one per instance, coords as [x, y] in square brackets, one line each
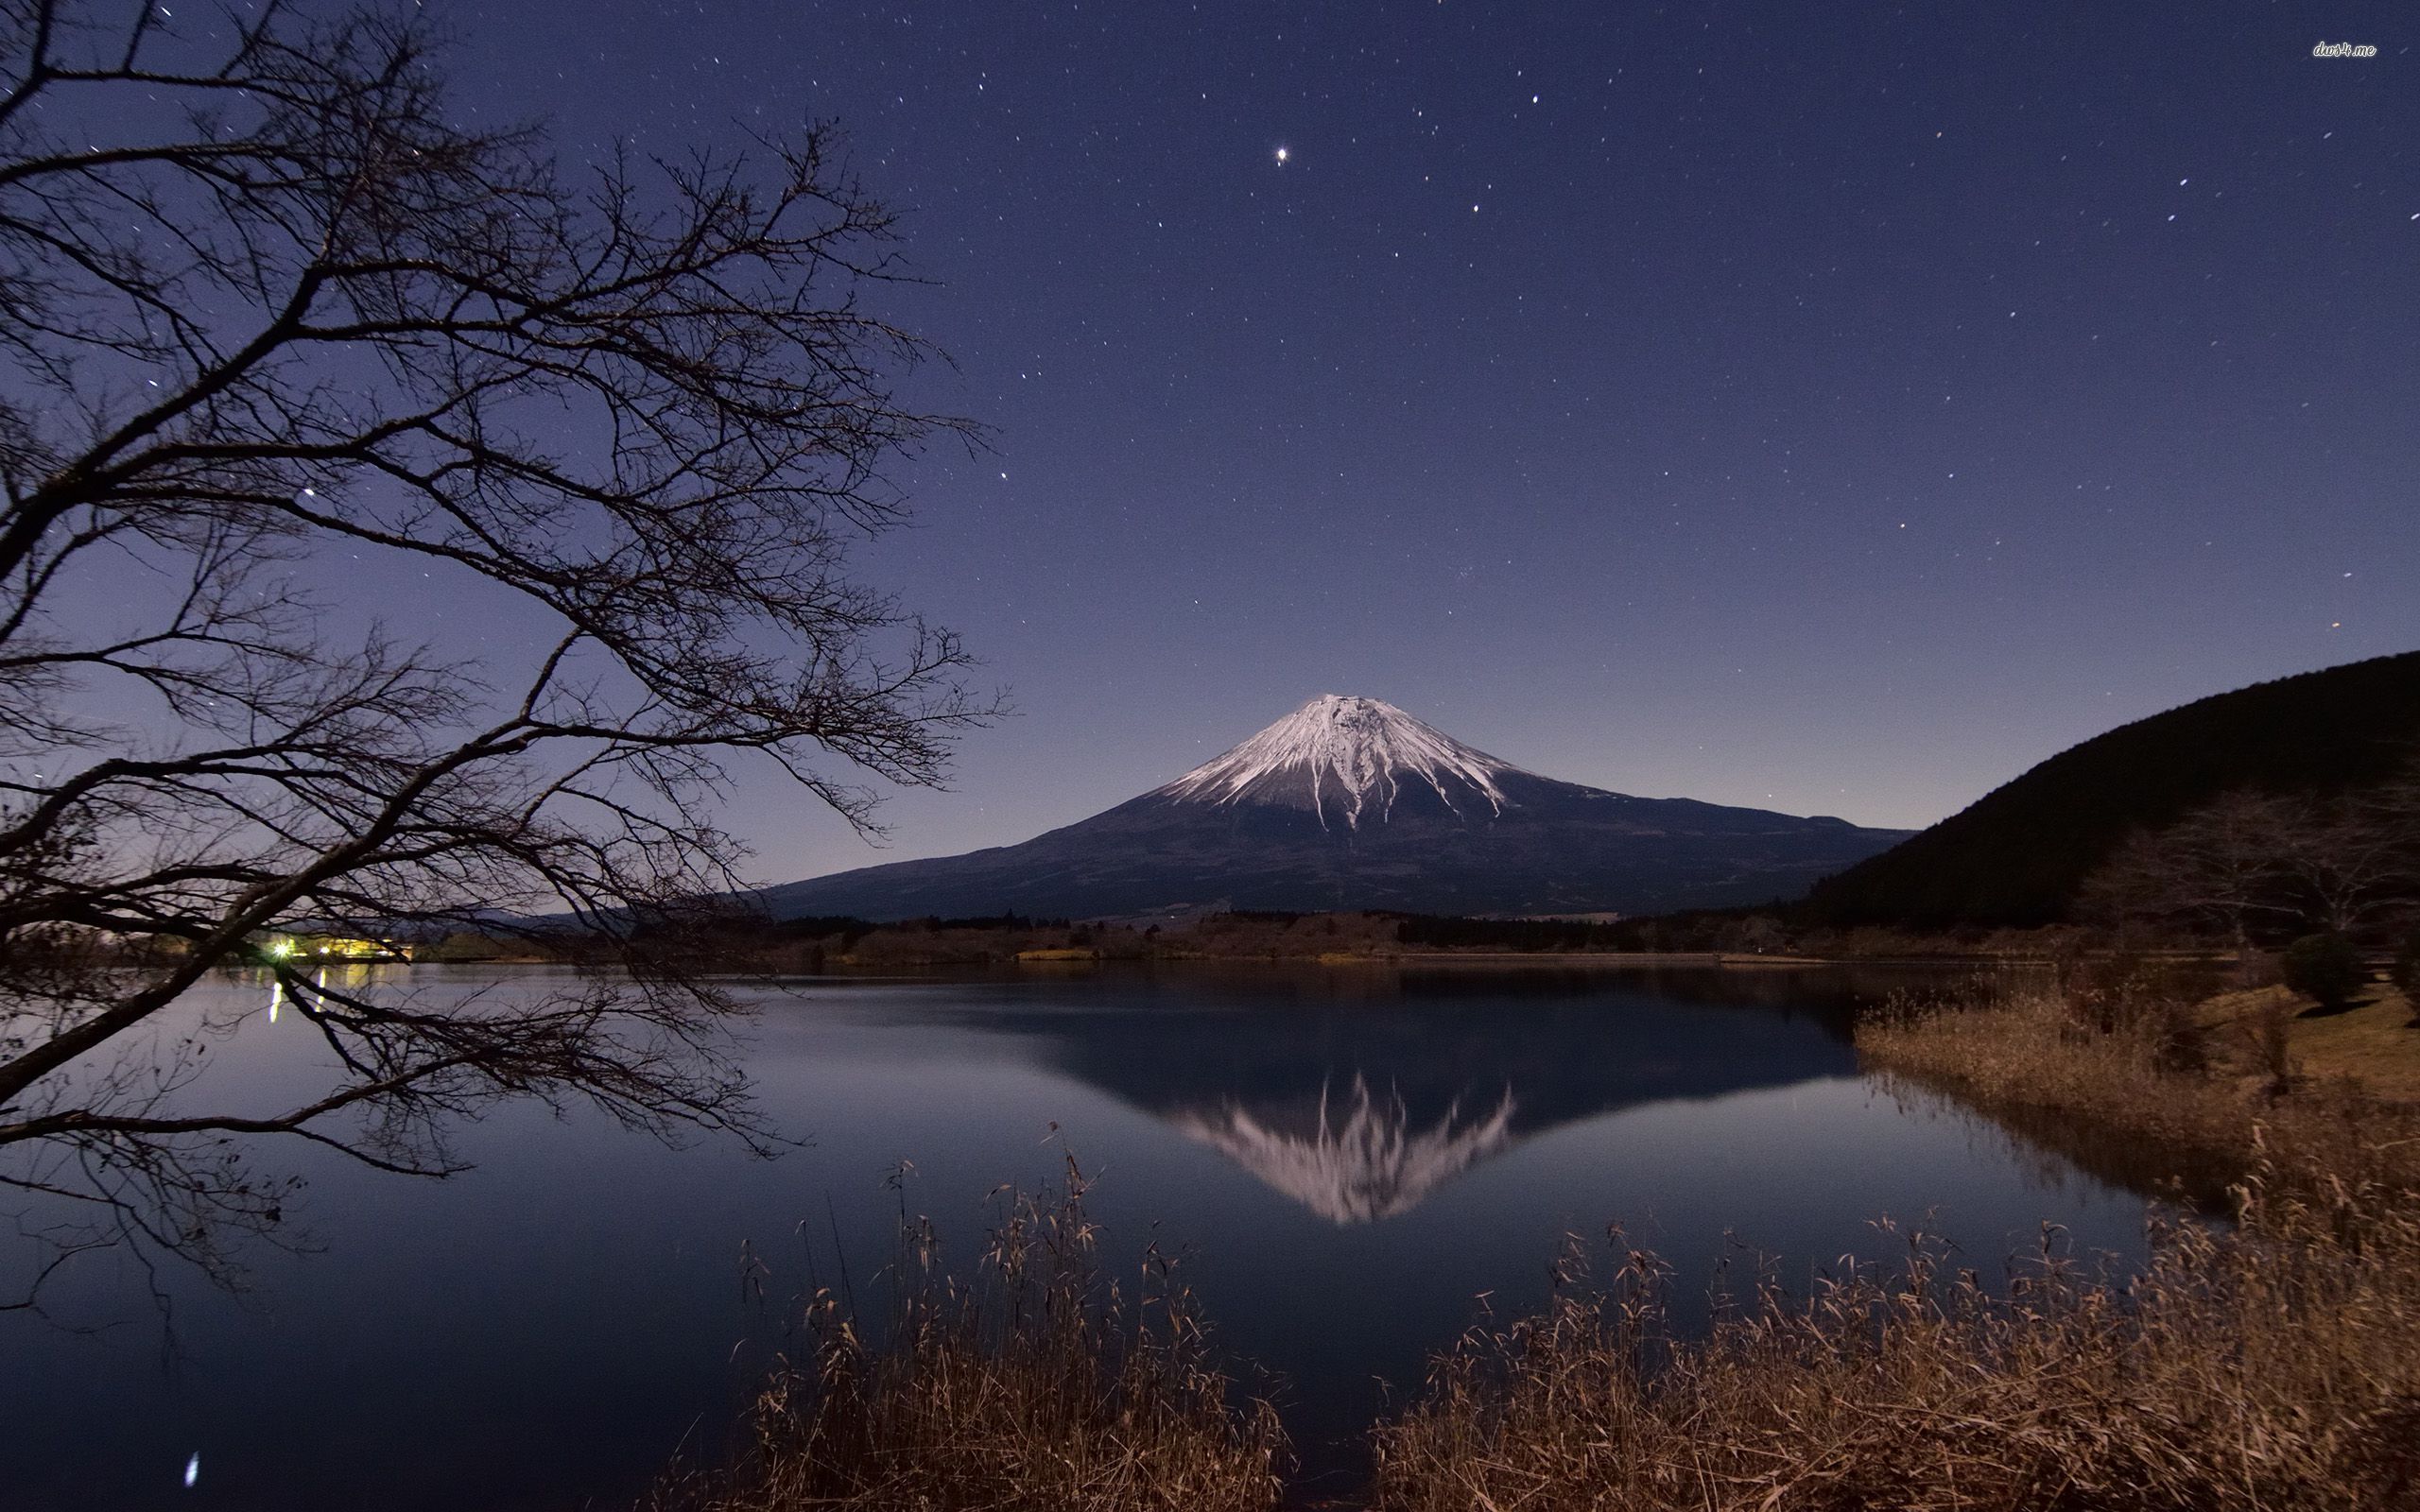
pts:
[265, 306]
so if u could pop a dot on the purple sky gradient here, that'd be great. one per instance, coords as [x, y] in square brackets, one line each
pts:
[1826, 408]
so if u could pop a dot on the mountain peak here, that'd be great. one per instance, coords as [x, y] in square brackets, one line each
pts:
[1346, 757]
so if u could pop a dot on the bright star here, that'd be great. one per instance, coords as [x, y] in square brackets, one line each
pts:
[1283, 153]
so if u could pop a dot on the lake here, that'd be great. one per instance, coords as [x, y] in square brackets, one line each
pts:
[1347, 1158]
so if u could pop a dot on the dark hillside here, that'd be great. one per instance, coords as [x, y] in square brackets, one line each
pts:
[2016, 856]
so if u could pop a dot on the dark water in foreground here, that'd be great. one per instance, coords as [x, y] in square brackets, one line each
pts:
[1349, 1157]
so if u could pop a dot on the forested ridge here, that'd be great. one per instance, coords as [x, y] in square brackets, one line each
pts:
[2018, 855]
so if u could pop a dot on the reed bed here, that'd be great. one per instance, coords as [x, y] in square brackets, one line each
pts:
[2274, 1364]
[2202, 1082]
[1038, 1383]
[2269, 1359]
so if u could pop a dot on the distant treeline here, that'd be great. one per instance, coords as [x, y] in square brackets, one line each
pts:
[817, 942]
[847, 927]
[1417, 931]
[1433, 932]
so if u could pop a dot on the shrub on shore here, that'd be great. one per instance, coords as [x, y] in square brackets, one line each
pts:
[2325, 967]
[2405, 972]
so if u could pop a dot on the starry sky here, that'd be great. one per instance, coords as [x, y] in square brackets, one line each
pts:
[1831, 408]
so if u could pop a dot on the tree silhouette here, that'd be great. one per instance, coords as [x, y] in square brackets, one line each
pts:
[2249, 861]
[264, 308]
[2224, 864]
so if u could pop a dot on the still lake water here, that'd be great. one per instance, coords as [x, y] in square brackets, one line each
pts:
[1347, 1158]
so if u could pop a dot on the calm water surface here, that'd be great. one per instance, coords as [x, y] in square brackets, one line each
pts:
[1348, 1159]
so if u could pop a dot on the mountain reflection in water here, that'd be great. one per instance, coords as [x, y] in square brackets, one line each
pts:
[1355, 1158]
[1349, 1166]
[1388, 1083]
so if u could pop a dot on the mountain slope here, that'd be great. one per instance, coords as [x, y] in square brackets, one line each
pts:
[2017, 856]
[1353, 803]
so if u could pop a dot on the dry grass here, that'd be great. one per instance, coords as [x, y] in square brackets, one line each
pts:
[2273, 1365]
[2033, 1050]
[2373, 1048]
[1038, 1385]
[2198, 1083]
[2270, 1364]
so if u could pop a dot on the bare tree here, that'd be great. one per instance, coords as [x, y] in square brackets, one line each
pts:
[2343, 863]
[2383, 872]
[2351, 862]
[265, 307]
[2222, 866]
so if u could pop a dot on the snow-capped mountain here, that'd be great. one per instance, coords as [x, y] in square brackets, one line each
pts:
[1341, 757]
[1353, 803]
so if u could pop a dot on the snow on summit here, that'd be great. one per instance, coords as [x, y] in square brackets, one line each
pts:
[1346, 757]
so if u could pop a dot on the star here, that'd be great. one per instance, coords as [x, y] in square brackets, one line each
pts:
[1283, 153]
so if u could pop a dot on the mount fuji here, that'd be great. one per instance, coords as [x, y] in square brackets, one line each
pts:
[1351, 803]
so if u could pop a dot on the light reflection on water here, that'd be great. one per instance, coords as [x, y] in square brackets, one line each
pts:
[1346, 1158]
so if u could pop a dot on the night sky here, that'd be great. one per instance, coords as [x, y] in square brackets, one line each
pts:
[1830, 408]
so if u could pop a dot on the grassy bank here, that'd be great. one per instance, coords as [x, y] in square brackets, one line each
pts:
[2268, 1367]
[2205, 1083]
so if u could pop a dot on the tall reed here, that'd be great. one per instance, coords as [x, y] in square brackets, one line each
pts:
[2274, 1364]
[2268, 1361]
[2179, 1080]
[1038, 1383]
[2271, 1362]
